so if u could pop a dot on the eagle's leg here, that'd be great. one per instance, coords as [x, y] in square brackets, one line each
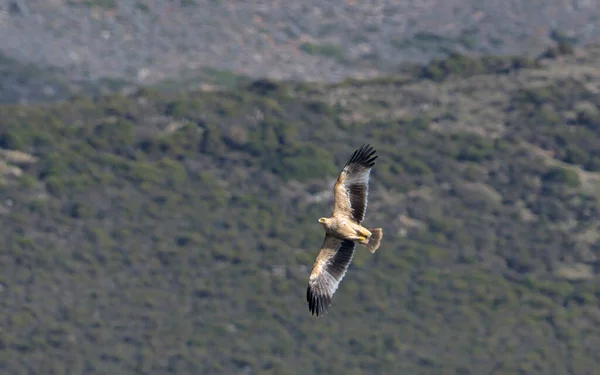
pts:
[364, 234]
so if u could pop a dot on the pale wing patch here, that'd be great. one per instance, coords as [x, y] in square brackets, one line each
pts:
[329, 269]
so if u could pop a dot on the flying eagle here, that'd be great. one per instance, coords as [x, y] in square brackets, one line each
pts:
[343, 230]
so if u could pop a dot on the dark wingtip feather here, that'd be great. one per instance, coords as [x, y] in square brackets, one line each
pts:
[363, 156]
[317, 304]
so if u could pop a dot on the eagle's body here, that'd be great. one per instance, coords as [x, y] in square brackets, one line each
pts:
[343, 230]
[346, 229]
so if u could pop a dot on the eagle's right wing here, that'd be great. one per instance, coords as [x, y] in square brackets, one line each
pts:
[351, 189]
[328, 270]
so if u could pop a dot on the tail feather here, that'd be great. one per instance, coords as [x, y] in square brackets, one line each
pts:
[375, 240]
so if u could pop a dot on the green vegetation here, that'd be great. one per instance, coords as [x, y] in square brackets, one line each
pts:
[439, 44]
[105, 4]
[163, 232]
[327, 50]
[22, 82]
[426, 41]
[464, 66]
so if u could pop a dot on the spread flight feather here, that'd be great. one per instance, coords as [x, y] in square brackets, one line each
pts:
[343, 230]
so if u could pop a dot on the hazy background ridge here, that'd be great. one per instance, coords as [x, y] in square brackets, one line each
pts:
[149, 40]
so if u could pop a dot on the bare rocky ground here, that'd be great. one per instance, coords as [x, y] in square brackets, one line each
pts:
[151, 40]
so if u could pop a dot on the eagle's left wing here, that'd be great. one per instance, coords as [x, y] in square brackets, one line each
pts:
[352, 186]
[328, 270]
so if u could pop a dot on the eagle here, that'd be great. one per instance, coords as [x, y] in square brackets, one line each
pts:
[343, 230]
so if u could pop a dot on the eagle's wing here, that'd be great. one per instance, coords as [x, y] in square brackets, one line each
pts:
[352, 186]
[328, 270]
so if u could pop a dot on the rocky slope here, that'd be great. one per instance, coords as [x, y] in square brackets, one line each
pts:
[150, 40]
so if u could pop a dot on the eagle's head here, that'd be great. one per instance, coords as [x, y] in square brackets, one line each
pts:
[324, 221]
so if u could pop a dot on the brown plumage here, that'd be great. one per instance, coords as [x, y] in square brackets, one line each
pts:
[343, 230]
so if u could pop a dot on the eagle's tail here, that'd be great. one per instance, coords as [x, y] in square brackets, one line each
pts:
[375, 240]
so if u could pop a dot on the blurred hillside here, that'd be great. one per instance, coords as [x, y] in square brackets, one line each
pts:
[148, 41]
[157, 232]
